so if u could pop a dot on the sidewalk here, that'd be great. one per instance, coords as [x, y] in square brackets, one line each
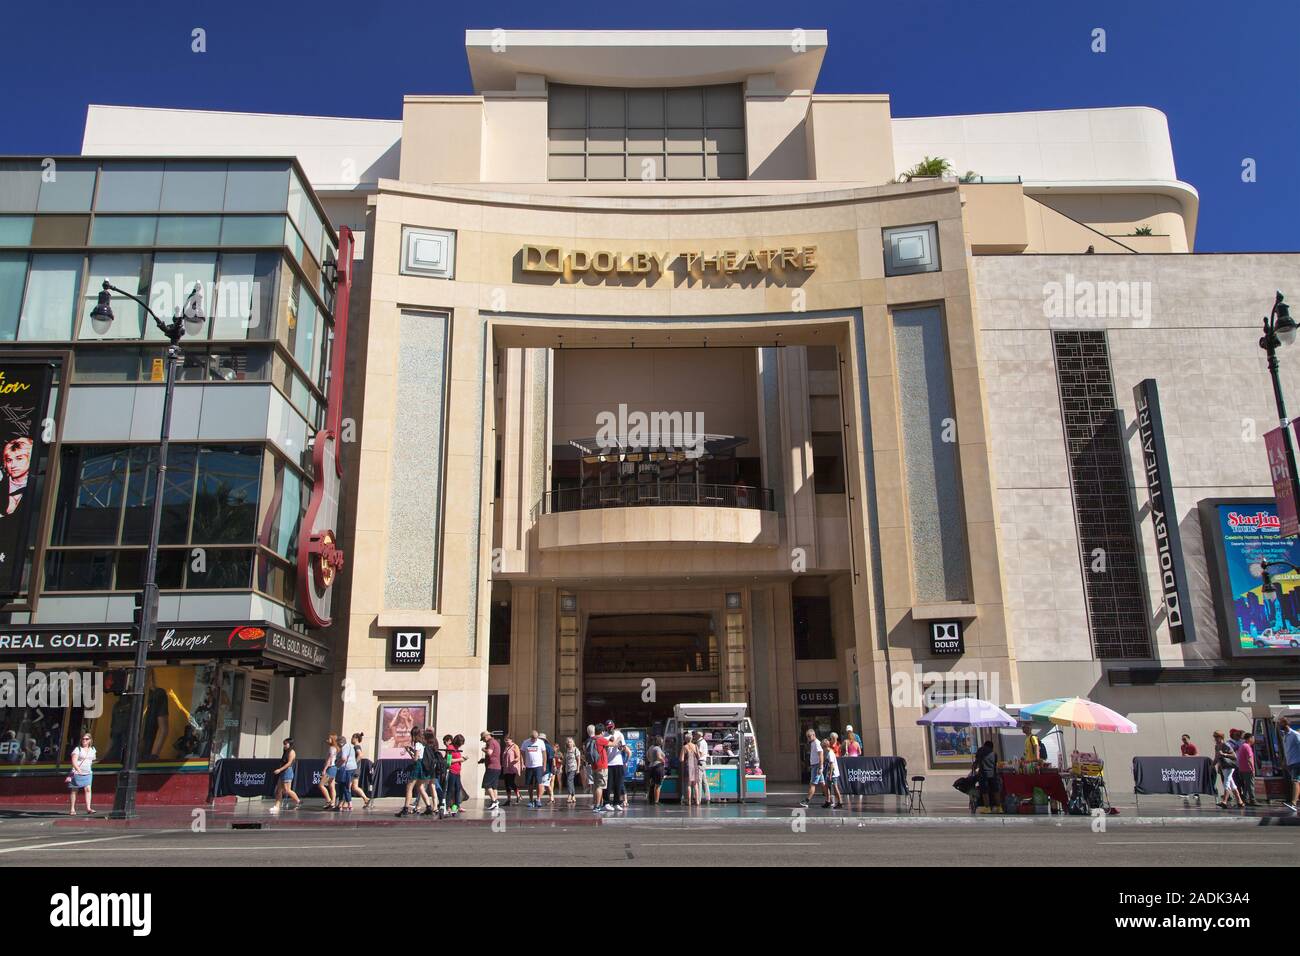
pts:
[780, 809]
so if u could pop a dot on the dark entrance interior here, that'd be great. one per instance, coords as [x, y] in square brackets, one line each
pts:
[678, 652]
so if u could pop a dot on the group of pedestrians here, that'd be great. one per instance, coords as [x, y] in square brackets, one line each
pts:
[824, 765]
[433, 774]
[1233, 760]
[346, 765]
[541, 764]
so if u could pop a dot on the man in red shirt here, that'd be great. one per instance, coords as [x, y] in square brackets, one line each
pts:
[491, 767]
[597, 757]
[1189, 748]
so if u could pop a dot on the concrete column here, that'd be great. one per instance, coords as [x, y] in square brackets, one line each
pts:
[735, 677]
[796, 434]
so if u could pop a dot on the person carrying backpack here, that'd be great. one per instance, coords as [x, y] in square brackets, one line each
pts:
[594, 751]
[431, 769]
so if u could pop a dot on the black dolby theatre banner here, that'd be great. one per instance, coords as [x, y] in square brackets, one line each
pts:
[24, 408]
[1173, 775]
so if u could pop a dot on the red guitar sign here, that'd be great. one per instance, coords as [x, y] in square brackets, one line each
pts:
[319, 556]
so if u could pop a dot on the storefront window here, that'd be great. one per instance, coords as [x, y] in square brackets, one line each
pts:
[179, 718]
[225, 741]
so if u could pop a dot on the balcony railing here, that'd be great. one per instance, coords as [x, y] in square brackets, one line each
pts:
[657, 493]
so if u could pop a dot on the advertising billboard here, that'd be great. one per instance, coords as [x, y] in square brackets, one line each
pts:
[24, 411]
[1239, 534]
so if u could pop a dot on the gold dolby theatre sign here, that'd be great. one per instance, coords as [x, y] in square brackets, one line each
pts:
[571, 263]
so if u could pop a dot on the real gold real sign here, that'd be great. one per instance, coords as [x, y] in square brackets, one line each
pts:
[554, 260]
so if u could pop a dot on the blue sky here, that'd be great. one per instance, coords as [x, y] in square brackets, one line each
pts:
[1226, 75]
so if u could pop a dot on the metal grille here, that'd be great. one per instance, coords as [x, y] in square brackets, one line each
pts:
[1116, 599]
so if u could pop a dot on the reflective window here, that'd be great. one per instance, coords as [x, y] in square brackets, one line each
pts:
[178, 491]
[288, 514]
[225, 503]
[245, 295]
[130, 186]
[91, 485]
[20, 184]
[175, 274]
[252, 231]
[53, 284]
[222, 568]
[123, 230]
[117, 364]
[15, 230]
[189, 230]
[127, 271]
[13, 276]
[66, 187]
[304, 322]
[193, 187]
[55, 231]
[257, 187]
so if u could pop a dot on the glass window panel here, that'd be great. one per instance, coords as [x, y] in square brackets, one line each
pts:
[605, 140]
[16, 230]
[288, 516]
[606, 108]
[645, 141]
[605, 167]
[252, 231]
[645, 108]
[79, 570]
[566, 167]
[53, 284]
[567, 107]
[567, 140]
[116, 364]
[20, 184]
[225, 505]
[127, 271]
[303, 214]
[257, 187]
[91, 484]
[724, 105]
[725, 140]
[189, 230]
[177, 493]
[239, 364]
[686, 167]
[171, 569]
[244, 299]
[175, 275]
[225, 568]
[726, 166]
[686, 141]
[193, 187]
[685, 107]
[129, 187]
[645, 168]
[13, 276]
[305, 344]
[293, 240]
[67, 187]
[50, 231]
[939, 557]
[123, 230]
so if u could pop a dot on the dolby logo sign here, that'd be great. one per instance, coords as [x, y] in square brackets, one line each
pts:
[946, 638]
[406, 649]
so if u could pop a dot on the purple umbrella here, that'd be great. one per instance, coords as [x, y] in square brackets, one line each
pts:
[969, 712]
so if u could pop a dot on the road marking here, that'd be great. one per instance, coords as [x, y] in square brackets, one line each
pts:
[204, 849]
[781, 843]
[1191, 843]
[63, 843]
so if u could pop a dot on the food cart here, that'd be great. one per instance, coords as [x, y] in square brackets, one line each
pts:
[733, 751]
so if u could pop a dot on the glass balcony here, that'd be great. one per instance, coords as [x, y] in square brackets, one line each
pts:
[658, 493]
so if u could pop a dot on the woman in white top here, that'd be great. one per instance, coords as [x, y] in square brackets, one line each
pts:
[83, 758]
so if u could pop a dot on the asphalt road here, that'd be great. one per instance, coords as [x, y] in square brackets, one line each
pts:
[27, 844]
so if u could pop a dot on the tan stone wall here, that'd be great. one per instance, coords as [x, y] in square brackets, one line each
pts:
[492, 299]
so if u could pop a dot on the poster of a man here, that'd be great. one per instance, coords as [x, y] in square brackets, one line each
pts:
[16, 459]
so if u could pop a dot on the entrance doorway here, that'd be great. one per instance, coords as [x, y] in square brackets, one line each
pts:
[636, 667]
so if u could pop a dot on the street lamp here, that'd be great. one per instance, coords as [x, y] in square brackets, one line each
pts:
[1280, 329]
[188, 319]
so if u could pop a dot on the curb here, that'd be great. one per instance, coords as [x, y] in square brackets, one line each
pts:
[1024, 820]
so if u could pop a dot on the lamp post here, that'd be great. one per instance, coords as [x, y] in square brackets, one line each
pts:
[188, 318]
[1280, 329]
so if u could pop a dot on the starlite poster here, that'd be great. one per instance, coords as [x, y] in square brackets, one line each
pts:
[1258, 623]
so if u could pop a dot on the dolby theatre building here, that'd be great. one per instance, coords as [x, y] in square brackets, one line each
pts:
[665, 384]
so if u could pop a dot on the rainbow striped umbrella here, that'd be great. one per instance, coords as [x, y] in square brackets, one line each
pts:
[1081, 714]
